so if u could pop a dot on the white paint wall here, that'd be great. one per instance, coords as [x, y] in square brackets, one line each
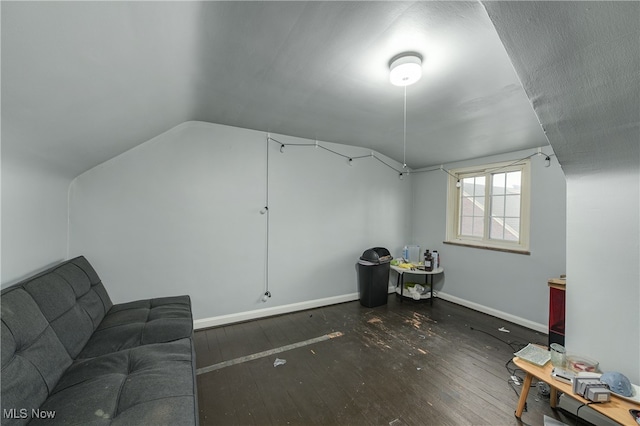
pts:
[34, 217]
[603, 277]
[508, 285]
[180, 214]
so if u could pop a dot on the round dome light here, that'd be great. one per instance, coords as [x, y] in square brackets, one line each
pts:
[405, 70]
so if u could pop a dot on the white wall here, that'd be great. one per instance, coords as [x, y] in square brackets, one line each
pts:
[34, 217]
[509, 285]
[180, 214]
[603, 278]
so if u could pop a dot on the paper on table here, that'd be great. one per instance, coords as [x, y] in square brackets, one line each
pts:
[534, 354]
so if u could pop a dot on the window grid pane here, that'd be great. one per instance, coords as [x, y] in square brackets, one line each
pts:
[496, 231]
[512, 229]
[478, 227]
[504, 223]
[514, 180]
[512, 205]
[478, 206]
[479, 186]
[489, 206]
[472, 207]
[498, 183]
[497, 205]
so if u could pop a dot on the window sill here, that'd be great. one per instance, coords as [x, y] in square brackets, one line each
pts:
[483, 247]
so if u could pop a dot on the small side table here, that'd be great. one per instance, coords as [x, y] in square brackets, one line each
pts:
[616, 409]
[428, 279]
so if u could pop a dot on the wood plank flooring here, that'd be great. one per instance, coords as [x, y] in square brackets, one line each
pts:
[399, 364]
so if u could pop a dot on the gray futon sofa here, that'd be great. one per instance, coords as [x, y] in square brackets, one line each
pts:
[69, 356]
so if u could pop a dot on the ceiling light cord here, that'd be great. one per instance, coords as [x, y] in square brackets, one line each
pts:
[404, 131]
[404, 70]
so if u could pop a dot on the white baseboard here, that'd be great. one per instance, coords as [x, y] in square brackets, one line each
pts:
[542, 328]
[301, 306]
[275, 310]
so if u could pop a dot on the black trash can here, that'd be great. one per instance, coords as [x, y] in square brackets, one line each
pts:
[373, 276]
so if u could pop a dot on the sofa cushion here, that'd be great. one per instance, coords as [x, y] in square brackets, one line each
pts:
[142, 322]
[150, 384]
[33, 358]
[72, 299]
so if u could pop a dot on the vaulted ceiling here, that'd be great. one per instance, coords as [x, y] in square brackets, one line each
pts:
[85, 81]
[579, 63]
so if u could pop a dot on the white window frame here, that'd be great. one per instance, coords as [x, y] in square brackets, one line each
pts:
[453, 207]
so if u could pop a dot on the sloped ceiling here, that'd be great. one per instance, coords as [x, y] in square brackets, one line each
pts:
[579, 63]
[84, 81]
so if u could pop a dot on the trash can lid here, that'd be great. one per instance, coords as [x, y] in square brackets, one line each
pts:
[376, 255]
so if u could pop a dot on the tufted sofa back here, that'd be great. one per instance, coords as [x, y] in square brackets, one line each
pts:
[46, 321]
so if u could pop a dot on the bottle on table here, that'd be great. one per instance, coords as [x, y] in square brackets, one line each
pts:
[428, 261]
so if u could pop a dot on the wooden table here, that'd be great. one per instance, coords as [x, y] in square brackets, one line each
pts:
[616, 409]
[402, 271]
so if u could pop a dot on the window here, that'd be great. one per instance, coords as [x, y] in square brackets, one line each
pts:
[489, 207]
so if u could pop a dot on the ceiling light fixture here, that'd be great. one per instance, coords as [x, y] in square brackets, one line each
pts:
[404, 70]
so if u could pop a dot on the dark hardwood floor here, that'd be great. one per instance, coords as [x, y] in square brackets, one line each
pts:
[400, 364]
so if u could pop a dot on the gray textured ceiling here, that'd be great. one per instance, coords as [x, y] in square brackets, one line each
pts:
[85, 81]
[579, 63]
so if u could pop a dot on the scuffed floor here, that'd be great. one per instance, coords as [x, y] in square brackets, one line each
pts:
[399, 364]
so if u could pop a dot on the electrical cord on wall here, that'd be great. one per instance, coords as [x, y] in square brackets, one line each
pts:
[547, 160]
[350, 159]
[404, 171]
[265, 210]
